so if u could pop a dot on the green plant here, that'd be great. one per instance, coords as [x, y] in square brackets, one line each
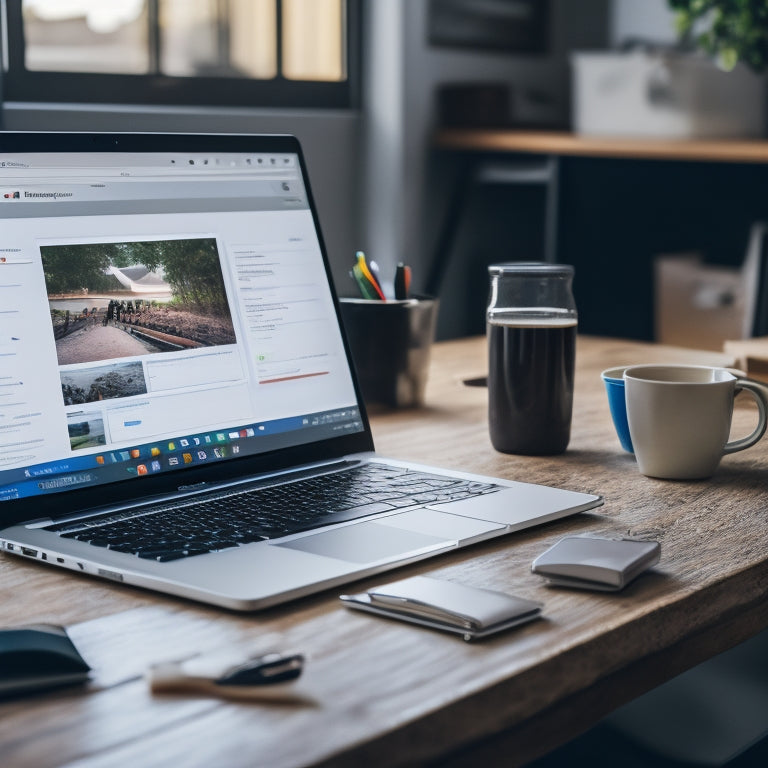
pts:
[730, 30]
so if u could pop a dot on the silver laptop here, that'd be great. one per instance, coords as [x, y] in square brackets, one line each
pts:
[178, 410]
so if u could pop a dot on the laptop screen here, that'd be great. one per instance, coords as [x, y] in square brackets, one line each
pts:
[161, 311]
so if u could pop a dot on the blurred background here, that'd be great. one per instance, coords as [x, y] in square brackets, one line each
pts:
[368, 86]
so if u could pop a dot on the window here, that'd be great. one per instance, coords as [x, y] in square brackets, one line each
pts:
[266, 53]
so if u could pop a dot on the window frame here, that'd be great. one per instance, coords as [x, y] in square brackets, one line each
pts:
[23, 85]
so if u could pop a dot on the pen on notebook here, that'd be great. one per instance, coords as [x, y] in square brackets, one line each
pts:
[402, 281]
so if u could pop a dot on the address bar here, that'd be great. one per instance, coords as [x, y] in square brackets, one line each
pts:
[63, 174]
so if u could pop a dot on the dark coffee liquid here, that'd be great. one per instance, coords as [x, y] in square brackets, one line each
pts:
[530, 385]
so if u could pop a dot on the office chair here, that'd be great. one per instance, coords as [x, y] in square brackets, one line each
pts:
[525, 172]
[491, 196]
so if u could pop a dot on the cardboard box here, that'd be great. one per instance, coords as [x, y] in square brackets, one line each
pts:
[698, 305]
[751, 356]
[664, 94]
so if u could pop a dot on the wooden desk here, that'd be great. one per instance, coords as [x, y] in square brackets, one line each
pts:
[389, 693]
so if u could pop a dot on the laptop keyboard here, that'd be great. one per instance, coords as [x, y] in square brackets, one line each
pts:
[231, 518]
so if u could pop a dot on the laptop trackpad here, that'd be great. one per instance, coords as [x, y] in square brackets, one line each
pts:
[368, 543]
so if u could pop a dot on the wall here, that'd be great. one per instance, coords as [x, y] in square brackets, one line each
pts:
[649, 20]
[402, 77]
[383, 140]
[407, 190]
[404, 73]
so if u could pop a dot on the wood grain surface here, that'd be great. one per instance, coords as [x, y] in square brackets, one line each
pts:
[387, 693]
[559, 143]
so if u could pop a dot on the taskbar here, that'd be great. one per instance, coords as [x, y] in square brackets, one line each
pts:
[168, 454]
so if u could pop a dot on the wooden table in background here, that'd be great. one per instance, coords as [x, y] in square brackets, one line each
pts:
[388, 693]
[604, 207]
[561, 143]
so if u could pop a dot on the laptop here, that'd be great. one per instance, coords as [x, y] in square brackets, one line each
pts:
[178, 409]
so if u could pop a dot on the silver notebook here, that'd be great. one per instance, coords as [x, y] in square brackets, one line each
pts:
[178, 409]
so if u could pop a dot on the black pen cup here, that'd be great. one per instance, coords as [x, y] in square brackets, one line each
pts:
[390, 342]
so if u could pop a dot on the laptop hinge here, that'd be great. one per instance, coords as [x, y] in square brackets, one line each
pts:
[282, 477]
[199, 488]
[193, 487]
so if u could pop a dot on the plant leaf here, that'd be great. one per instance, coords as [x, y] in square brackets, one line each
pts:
[728, 58]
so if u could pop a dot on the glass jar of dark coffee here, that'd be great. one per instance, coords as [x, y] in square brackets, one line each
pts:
[531, 324]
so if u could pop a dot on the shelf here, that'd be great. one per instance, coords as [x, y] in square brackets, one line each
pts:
[560, 143]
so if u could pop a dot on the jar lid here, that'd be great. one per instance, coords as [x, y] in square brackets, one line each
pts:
[531, 268]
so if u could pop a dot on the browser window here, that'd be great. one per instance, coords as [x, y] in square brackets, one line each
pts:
[160, 310]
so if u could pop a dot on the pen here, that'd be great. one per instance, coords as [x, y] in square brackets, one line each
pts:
[402, 281]
[268, 669]
[369, 276]
[374, 267]
[364, 285]
[267, 677]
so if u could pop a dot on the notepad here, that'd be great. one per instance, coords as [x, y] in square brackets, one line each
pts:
[469, 611]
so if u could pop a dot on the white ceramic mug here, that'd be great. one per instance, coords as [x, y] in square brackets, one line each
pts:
[680, 417]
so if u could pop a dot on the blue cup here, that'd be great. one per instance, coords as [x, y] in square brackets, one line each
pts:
[613, 379]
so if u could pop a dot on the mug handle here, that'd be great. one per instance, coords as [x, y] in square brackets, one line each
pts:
[760, 394]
